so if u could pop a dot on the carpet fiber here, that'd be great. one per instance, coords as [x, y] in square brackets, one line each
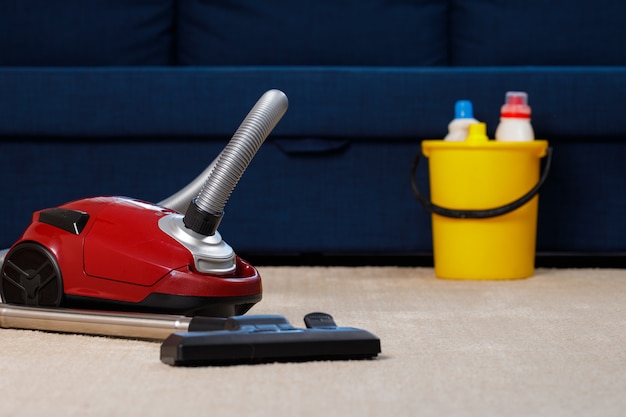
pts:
[554, 344]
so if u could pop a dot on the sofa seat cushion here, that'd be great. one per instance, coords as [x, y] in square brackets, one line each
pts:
[360, 103]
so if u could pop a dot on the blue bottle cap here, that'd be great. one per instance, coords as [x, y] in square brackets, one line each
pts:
[463, 109]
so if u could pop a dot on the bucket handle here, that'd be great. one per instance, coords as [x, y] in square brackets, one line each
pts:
[478, 214]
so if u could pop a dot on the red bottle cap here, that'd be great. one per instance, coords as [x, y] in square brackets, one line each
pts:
[516, 105]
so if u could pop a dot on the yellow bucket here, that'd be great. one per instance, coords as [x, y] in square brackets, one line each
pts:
[484, 203]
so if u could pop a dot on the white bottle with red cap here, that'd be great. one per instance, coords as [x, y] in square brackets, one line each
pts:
[514, 123]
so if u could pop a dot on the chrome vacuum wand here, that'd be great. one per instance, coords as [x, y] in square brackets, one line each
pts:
[106, 323]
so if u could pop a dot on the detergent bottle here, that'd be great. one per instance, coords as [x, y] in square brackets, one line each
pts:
[514, 123]
[463, 117]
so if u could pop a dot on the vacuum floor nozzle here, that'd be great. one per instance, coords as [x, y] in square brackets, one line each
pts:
[269, 338]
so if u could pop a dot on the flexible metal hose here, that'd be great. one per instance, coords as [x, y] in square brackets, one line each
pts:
[206, 210]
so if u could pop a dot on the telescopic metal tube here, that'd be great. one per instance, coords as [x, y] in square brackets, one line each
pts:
[128, 325]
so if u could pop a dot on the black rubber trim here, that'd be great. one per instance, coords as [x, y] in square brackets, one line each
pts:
[171, 304]
[72, 221]
[201, 221]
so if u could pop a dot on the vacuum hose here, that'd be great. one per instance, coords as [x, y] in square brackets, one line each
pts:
[206, 210]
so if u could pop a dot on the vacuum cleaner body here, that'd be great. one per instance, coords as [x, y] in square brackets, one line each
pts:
[111, 253]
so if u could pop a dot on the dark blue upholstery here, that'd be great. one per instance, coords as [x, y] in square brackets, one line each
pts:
[537, 32]
[94, 32]
[91, 112]
[313, 32]
[364, 103]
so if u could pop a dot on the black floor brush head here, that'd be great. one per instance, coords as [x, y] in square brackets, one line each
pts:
[263, 339]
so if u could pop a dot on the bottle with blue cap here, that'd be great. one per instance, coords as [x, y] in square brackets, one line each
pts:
[463, 118]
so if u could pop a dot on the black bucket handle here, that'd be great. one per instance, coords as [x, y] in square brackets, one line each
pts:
[478, 214]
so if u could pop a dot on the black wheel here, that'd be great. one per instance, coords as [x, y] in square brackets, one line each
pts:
[31, 276]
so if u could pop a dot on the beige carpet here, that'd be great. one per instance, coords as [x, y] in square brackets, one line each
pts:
[552, 345]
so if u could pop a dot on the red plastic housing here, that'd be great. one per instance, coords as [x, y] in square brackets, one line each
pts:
[121, 259]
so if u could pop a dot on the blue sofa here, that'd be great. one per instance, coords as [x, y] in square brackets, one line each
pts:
[136, 97]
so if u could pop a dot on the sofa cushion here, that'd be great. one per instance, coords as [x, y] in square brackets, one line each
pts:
[312, 32]
[537, 32]
[360, 103]
[85, 33]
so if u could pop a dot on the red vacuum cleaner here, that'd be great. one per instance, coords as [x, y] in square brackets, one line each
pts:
[122, 267]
